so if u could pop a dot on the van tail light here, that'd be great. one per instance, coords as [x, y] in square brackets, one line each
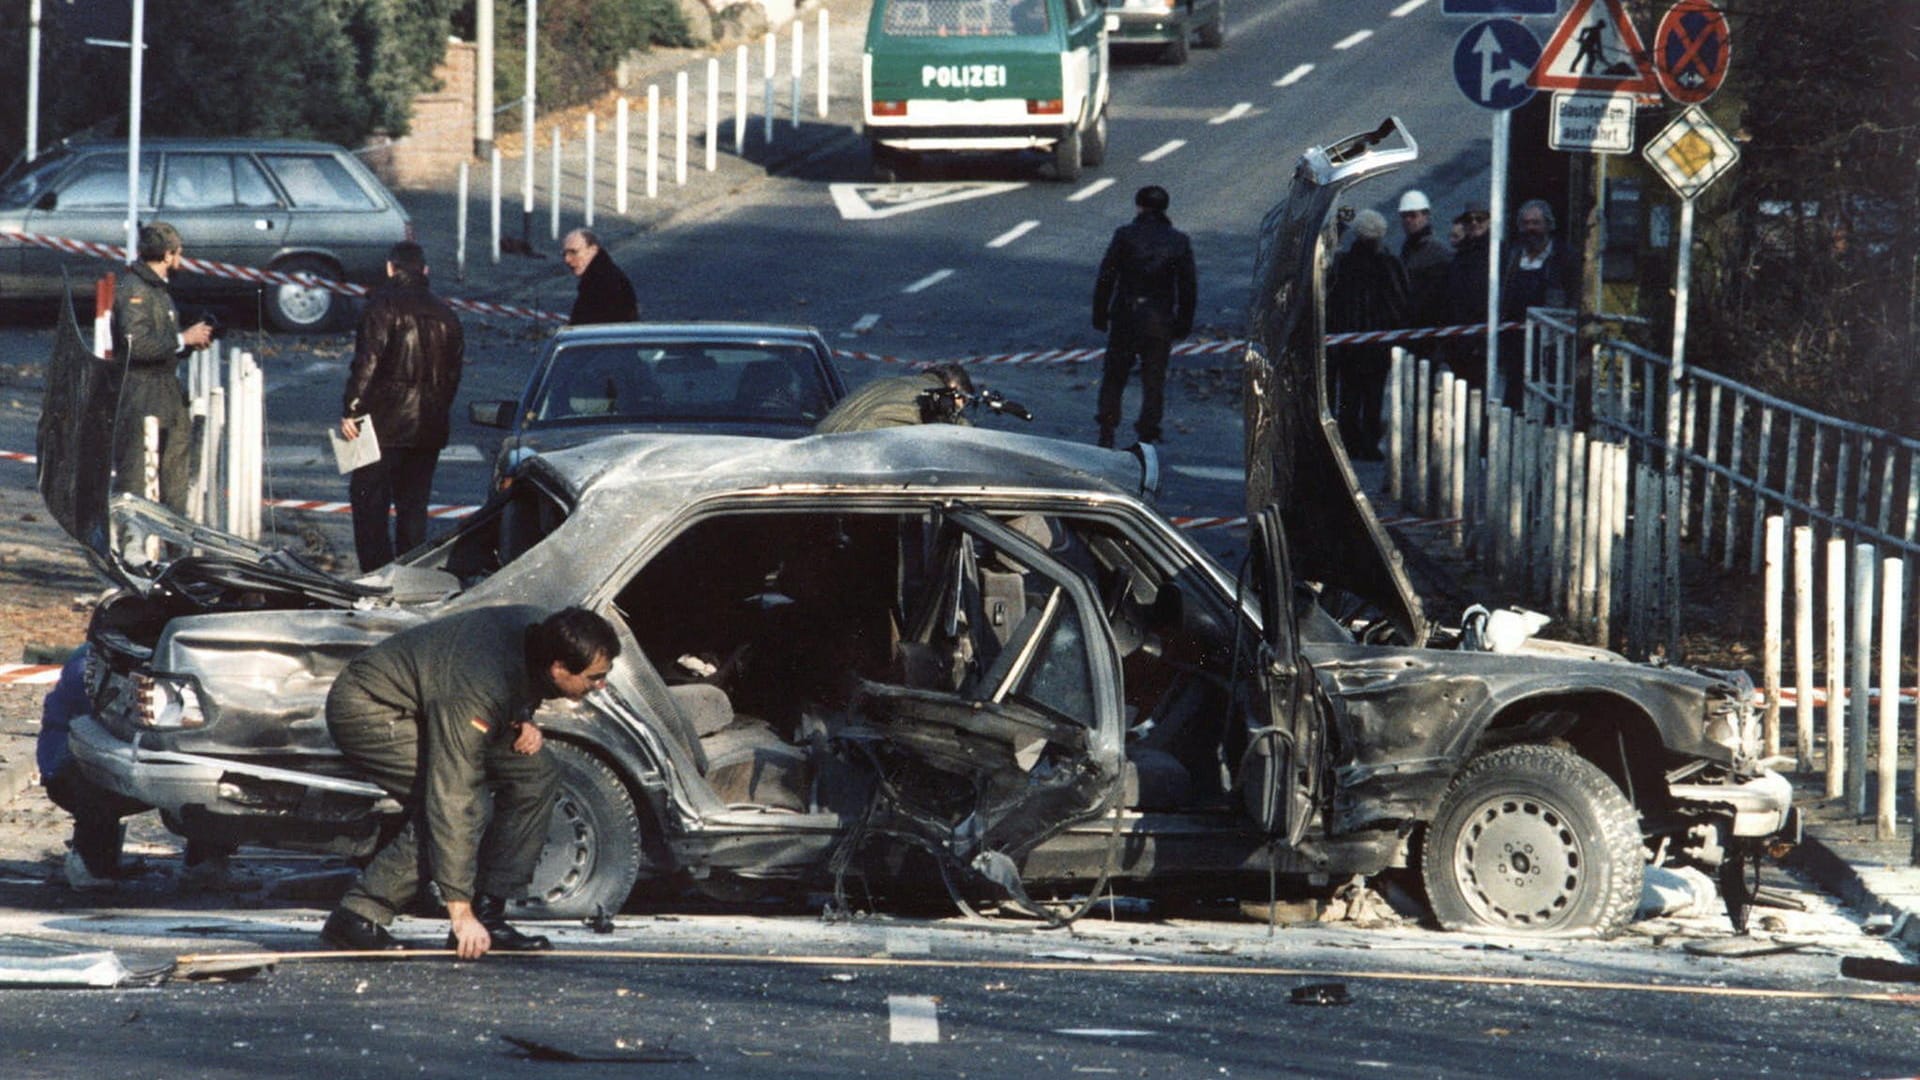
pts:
[889, 108]
[1050, 107]
[1171, 4]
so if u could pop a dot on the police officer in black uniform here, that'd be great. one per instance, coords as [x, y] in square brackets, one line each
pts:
[1143, 301]
[148, 340]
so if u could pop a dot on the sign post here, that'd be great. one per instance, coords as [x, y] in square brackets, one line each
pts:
[1493, 63]
[1689, 154]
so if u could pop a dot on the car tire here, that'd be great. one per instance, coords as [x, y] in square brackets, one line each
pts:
[1534, 840]
[888, 164]
[1066, 157]
[1175, 53]
[1214, 34]
[1093, 146]
[295, 309]
[592, 857]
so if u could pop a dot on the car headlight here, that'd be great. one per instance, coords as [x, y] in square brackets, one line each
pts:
[167, 704]
[1731, 719]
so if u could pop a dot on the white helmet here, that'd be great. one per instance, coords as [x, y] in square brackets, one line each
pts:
[1413, 200]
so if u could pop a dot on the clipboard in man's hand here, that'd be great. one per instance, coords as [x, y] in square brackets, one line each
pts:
[355, 453]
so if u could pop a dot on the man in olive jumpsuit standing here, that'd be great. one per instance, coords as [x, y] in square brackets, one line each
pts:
[148, 340]
[438, 715]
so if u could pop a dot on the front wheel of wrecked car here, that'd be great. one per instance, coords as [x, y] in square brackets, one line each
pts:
[1534, 840]
[592, 857]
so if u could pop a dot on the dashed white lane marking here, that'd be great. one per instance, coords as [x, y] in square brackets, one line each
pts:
[929, 281]
[1163, 150]
[1293, 76]
[1092, 189]
[1352, 39]
[1239, 110]
[1407, 8]
[912, 1019]
[1105, 1033]
[865, 323]
[1013, 234]
[908, 943]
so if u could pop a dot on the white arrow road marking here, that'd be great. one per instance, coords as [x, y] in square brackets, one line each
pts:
[1163, 150]
[865, 323]
[1239, 110]
[1352, 39]
[929, 281]
[1407, 8]
[1293, 76]
[912, 1019]
[1013, 234]
[1211, 472]
[867, 202]
[1091, 190]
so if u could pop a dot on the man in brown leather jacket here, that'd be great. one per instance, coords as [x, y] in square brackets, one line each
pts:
[407, 355]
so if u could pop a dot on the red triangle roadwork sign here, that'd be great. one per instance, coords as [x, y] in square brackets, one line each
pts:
[1596, 50]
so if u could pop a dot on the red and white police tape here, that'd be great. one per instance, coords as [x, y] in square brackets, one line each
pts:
[213, 268]
[231, 271]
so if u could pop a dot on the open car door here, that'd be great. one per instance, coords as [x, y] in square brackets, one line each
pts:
[1014, 732]
[1285, 761]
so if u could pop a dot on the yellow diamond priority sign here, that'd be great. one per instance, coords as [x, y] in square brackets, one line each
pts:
[1691, 153]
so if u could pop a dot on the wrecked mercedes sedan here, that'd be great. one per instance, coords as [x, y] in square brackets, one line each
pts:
[959, 657]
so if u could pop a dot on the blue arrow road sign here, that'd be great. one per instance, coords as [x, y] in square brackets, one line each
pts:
[1500, 7]
[1492, 61]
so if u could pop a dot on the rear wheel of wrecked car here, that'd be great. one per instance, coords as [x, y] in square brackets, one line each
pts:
[1534, 840]
[592, 857]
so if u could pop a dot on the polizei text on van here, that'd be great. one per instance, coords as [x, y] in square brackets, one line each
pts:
[965, 75]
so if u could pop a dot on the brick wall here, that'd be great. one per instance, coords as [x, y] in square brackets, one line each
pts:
[442, 128]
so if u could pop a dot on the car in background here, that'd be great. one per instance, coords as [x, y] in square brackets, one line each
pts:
[300, 207]
[947, 656]
[1170, 25]
[612, 378]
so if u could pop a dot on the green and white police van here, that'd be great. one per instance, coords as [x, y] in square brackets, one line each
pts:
[944, 76]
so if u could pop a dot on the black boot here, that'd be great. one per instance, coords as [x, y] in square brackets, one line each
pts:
[492, 913]
[351, 932]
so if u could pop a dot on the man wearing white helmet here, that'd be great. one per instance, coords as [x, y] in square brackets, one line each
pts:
[1426, 258]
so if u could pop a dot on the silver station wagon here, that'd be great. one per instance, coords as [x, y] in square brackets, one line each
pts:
[302, 207]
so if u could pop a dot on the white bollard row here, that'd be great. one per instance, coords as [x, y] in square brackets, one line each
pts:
[1854, 721]
[682, 135]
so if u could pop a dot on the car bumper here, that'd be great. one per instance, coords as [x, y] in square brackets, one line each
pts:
[1762, 806]
[169, 780]
[1147, 30]
[967, 136]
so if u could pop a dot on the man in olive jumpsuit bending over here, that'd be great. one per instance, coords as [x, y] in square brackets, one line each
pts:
[438, 714]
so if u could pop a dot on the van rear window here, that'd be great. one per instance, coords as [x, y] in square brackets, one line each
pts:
[965, 18]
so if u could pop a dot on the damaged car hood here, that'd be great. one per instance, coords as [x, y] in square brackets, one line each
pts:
[1295, 458]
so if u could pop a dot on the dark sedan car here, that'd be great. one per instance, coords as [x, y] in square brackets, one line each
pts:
[739, 378]
[937, 654]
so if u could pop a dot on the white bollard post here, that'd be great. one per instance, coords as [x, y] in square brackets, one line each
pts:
[1560, 439]
[217, 463]
[1803, 648]
[1476, 465]
[460, 228]
[1887, 768]
[1576, 549]
[740, 101]
[620, 163]
[1774, 585]
[1457, 470]
[587, 162]
[680, 128]
[1395, 409]
[1860, 652]
[1836, 667]
[554, 210]
[653, 141]
[1422, 411]
[799, 63]
[1442, 429]
[820, 72]
[236, 453]
[713, 114]
[493, 207]
[766, 112]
